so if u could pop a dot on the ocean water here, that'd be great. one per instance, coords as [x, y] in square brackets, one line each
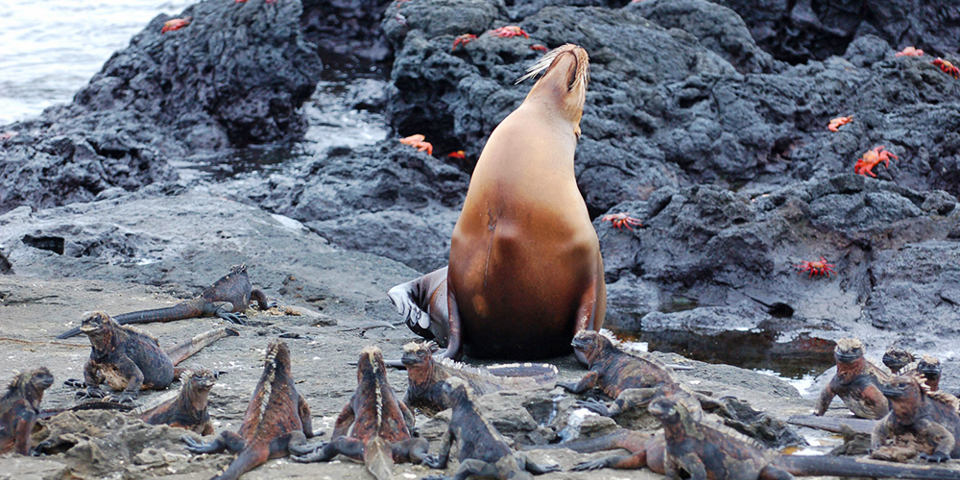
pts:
[51, 48]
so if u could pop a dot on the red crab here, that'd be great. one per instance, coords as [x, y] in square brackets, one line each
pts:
[947, 67]
[509, 31]
[871, 158]
[817, 267]
[459, 155]
[621, 220]
[836, 123]
[538, 48]
[418, 142]
[462, 40]
[175, 24]
[909, 52]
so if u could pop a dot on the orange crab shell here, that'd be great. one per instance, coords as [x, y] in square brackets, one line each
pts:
[175, 24]
[509, 31]
[462, 40]
[909, 52]
[418, 142]
[836, 123]
[816, 267]
[871, 159]
[538, 47]
[947, 67]
[459, 155]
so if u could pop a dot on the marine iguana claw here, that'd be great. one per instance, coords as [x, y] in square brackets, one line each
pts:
[590, 465]
[935, 457]
[595, 406]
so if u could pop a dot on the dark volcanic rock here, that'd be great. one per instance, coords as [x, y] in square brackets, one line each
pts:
[797, 31]
[388, 199]
[346, 32]
[234, 76]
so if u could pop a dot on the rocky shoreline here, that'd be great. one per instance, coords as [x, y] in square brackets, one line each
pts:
[706, 120]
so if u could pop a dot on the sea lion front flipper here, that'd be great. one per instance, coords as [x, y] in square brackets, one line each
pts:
[593, 306]
[423, 304]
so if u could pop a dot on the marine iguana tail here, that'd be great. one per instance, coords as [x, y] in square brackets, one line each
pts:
[277, 421]
[425, 377]
[185, 350]
[225, 298]
[19, 408]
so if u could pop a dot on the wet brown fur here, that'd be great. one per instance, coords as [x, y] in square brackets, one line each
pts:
[19, 408]
[525, 271]
[229, 295]
[374, 427]
[277, 421]
[857, 383]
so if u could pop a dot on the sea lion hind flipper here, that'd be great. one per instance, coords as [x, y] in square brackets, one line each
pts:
[422, 302]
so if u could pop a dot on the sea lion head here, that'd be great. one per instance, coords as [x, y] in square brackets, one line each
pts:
[563, 86]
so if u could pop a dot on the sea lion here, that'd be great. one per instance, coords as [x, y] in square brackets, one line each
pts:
[525, 272]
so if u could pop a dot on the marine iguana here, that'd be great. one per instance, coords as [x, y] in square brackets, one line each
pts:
[482, 450]
[629, 379]
[19, 408]
[699, 450]
[189, 408]
[896, 359]
[373, 427]
[930, 416]
[131, 360]
[425, 377]
[857, 382]
[277, 421]
[225, 298]
[929, 368]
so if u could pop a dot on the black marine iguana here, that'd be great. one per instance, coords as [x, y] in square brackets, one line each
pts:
[188, 409]
[426, 375]
[374, 426]
[19, 408]
[482, 450]
[131, 360]
[225, 298]
[857, 382]
[930, 416]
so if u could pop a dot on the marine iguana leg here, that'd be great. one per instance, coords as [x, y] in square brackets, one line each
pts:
[246, 460]
[413, 450]
[470, 468]
[129, 370]
[823, 403]
[343, 445]
[588, 382]
[628, 399]
[440, 460]
[524, 462]
[227, 440]
[686, 467]
[306, 418]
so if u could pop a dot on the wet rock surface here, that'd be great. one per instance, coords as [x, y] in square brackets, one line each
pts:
[235, 75]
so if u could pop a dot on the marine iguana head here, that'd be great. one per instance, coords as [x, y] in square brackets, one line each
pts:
[896, 358]
[418, 354]
[906, 395]
[277, 361]
[673, 415]
[30, 386]
[197, 385]
[929, 367]
[99, 327]
[590, 344]
[848, 350]
[370, 365]
[455, 391]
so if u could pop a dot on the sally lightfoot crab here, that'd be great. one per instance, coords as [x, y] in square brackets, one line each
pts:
[509, 31]
[621, 220]
[417, 141]
[947, 67]
[871, 159]
[816, 267]
[462, 40]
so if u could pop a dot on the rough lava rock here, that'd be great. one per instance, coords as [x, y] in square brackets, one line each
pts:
[234, 76]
